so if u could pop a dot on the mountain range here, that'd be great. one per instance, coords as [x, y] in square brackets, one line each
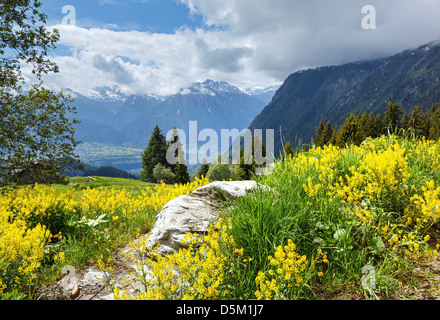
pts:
[293, 110]
[114, 127]
[331, 93]
[108, 116]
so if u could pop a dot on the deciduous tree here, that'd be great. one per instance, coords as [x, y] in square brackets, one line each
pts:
[36, 134]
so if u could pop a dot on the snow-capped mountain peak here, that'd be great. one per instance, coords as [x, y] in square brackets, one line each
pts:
[263, 94]
[260, 90]
[110, 94]
[209, 87]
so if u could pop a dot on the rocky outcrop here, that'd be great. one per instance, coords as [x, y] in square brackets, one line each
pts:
[193, 213]
[189, 213]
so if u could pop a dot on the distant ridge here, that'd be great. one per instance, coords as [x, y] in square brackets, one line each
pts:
[109, 116]
[331, 93]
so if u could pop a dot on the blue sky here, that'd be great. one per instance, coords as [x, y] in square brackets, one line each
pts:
[162, 16]
[161, 46]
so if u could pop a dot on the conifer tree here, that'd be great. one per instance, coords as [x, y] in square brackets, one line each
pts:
[378, 126]
[371, 124]
[180, 168]
[327, 134]
[319, 139]
[365, 123]
[405, 122]
[392, 117]
[417, 122]
[349, 132]
[249, 165]
[434, 125]
[204, 168]
[288, 151]
[362, 123]
[181, 172]
[154, 154]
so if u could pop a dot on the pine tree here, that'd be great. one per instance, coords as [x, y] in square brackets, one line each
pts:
[182, 175]
[371, 120]
[203, 169]
[327, 134]
[405, 123]
[349, 132]
[154, 154]
[392, 117]
[434, 125]
[365, 125]
[288, 151]
[417, 122]
[378, 127]
[319, 139]
[179, 169]
[247, 160]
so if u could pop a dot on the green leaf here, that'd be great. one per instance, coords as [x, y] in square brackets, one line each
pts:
[339, 234]
[377, 242]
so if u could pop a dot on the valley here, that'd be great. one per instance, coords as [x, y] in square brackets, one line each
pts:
[115, 128]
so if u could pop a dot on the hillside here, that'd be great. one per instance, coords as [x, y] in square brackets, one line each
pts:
[331, 93]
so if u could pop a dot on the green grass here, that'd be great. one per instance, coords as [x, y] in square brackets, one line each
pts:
[268, 218]
[265, 220]
[79, 183]
[83, 244]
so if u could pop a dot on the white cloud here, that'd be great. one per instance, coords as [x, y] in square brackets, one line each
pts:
[246, 42]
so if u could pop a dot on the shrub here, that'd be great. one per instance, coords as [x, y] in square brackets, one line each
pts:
[162, 173]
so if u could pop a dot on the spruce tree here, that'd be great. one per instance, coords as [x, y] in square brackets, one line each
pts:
[378, 127]
[349, 132]
[392, 117]
[319, 139]
[288, 151]
[179, 169]
[434, 125]
[154, 154]
[203, 169]
[182, 175]
[365, 126]
[405, 123]
[417, 122]
[327, 134]
[371, 120]
[247, 160]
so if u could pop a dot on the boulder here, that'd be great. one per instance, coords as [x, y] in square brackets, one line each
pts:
[189, 213]
[225, 190]
[193, 213]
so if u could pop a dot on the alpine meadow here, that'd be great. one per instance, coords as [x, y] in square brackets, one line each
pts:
[113, 135]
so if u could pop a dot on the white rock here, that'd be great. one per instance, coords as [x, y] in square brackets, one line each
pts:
[231, 189]
[193, 213]
[178, 217]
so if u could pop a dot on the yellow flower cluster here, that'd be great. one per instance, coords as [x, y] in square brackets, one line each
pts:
[36, 204]
[427, 206]
[26, 214]
[382, 184]
[196, 272]
[287, 272]
[114, 202]
[21, 250]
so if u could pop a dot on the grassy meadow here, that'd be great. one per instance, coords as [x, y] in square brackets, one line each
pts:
[358, 220]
